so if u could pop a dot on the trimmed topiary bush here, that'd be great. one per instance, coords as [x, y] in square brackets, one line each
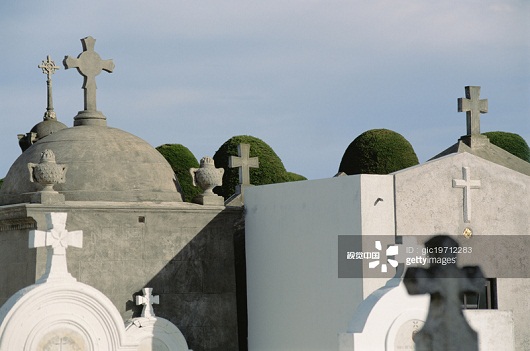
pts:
[511, 142]
[181, 160]
[271, 169]
[378, 151]
[293, 177]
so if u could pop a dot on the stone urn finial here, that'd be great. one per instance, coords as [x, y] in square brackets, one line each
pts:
[47, 172]
[207, 177]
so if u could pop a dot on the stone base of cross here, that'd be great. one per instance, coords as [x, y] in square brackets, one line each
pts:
[56, 239]
[475, 141]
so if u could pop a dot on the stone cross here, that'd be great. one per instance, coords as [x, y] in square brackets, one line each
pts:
[445, 327]
[89, 64]
[62, 342]
[56, 239]
[467, 184]
[147, 300]
[473, 107]
[48, 67]
[244, 162]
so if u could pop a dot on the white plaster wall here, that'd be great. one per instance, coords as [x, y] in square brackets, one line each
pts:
[295, 299]
[495, 329]
[427, 203]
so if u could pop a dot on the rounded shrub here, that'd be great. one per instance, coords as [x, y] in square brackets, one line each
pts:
[271, 169]
[378, 151]
[181, 160]
[294, 177]
[511, 142]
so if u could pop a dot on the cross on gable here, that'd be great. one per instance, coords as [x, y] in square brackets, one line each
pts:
[445, 327]
[56, 239]
[467, 184]
[89, 64]
[244, 162]
[473, 107]
[147, 300]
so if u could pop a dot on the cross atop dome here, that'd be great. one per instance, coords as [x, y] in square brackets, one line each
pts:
[89, 64]
[48, 67]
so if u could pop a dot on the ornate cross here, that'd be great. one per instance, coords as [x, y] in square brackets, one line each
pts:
[445, 327]
[473, 107]
[147, 300]
[48, 68]
[244, 162]
[89, 64]
[467, 184]
[56, 239]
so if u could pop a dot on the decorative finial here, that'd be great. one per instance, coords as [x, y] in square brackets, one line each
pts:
[89, 64]
[47, 173]
[147, 300]
[207, 177]
[56, 239]
[473, 107]
[48, 68]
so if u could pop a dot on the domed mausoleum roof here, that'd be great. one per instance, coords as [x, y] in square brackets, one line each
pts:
[47, 127]
[103, 164]
[50, 124]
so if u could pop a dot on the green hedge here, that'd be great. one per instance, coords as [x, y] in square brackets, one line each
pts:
[293, 177]
[511, 142]
[378, 151]
[181, 160]
[271, 169]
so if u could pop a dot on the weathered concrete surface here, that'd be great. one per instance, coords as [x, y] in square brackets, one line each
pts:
[185, 252]
[104, 164]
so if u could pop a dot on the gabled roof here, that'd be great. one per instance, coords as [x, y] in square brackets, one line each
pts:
[479, 145]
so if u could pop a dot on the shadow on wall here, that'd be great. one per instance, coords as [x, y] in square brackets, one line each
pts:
[203, 288]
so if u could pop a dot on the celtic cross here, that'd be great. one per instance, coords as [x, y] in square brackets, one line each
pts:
[89, 64]
[48, 68]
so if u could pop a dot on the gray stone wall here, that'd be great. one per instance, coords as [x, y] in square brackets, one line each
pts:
[184, 252]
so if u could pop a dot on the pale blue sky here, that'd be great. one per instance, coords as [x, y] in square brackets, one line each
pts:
[307, 77]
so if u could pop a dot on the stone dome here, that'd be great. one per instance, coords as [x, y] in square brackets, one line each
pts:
[104, 164]
[47, 127]
[39, 131]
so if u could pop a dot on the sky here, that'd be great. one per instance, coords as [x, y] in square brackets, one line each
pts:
[306, 77]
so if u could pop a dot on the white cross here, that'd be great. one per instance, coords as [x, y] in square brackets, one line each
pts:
[147, 300]
[244, 162]
[467, 184]
[56, 239]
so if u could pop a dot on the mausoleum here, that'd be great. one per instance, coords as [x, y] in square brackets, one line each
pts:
[138, 233]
